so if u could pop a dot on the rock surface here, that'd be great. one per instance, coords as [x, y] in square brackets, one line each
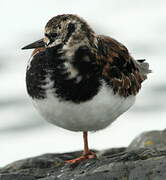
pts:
[152, 139]
[137, 162]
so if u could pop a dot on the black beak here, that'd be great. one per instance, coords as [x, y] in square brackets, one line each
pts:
[37, 44]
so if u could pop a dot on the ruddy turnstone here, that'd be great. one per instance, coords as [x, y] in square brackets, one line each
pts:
[79, 80]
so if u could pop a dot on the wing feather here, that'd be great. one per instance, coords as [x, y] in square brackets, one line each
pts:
[124, 74]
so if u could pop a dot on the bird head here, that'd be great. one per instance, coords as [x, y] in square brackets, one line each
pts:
[67, 30]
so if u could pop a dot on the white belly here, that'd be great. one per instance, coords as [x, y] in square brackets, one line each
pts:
[92, 115]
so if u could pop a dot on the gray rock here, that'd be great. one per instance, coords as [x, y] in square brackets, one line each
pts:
[114, 164]
[144, 159]
[152, 139]
[16, 177]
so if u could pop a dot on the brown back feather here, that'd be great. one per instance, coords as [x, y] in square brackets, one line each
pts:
[119, 68]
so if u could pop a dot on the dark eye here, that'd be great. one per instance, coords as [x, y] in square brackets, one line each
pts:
[46, 34]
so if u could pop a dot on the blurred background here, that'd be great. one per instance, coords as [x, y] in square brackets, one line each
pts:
[140, 25]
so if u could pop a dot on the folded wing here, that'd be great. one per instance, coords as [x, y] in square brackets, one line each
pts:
[124, 74]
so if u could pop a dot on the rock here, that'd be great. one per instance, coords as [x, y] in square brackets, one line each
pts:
[137, 162]
[140, 164]
[16, 177]
[152, 139]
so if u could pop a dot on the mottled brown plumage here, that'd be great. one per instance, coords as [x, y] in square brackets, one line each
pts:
[120, 70]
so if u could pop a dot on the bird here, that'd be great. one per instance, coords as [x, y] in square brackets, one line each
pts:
[79, 80]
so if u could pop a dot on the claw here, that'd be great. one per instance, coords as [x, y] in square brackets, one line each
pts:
[90, 155]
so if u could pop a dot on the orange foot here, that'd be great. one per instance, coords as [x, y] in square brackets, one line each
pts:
[90, 155]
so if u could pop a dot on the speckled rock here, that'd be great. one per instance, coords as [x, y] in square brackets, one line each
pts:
[113, 164]
[151, 139]
[144, 159]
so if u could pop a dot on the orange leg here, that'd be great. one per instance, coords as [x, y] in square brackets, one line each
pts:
[87, 154]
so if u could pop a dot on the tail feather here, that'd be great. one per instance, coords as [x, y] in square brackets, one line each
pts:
[143, 67]
[141, 60]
